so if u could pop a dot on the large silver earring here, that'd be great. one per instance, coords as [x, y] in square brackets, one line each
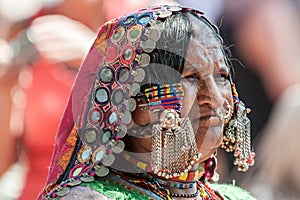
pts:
[237, 136]
[174, 148]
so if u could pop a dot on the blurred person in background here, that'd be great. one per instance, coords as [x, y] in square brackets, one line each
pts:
[248, 80]
[268, 37]
[9, 130]
[47, 49]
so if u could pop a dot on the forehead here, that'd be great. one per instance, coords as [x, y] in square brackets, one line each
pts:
[205, 48]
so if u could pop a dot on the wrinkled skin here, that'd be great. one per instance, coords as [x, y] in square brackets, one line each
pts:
[206, 86]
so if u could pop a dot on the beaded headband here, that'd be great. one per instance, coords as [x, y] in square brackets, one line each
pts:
[168, 96]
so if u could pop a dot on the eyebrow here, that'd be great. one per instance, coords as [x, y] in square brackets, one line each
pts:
[190, 69]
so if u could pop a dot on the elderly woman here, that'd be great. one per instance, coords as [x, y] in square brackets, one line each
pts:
[148, 111]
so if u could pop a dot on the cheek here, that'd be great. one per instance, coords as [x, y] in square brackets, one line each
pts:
[226, 91]
[190, 93]
[208, 138]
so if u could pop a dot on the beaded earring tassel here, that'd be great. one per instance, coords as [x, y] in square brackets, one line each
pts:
[237, 136]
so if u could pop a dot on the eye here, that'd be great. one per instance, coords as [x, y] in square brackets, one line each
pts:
[190, 80]
[221, 77]
[191, 77]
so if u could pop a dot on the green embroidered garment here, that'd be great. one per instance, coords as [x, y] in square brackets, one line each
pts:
[119, 191]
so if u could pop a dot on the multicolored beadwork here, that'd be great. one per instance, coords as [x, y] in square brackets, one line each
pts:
[168, 96]
[203, 191]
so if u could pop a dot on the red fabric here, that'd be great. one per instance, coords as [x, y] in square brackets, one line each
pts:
[80, 91]
[46, 100]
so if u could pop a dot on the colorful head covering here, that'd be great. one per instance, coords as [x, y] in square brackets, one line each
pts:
[107, 87]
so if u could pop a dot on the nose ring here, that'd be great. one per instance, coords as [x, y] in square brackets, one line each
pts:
[228, 113]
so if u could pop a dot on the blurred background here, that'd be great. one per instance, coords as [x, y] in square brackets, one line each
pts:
[43, 42]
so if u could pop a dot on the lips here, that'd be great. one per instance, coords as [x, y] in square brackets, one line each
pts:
[208, 121]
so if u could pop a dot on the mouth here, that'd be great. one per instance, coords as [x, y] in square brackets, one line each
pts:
[208, 121]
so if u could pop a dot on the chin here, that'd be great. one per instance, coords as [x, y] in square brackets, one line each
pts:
[208, 140]
[207, 154]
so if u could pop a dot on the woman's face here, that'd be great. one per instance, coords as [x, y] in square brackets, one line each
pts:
[206, 89]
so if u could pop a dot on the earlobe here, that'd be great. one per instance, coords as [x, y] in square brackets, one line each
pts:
[141, 115]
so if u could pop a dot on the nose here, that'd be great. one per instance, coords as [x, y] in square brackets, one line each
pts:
[210, 93]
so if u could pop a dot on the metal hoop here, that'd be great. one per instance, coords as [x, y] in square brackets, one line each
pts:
[227, 115]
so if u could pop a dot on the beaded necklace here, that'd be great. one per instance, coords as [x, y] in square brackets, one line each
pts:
[160, 186]
[185, 177]
[153, 184]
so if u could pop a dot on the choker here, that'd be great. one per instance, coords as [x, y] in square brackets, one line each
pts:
[175, 184]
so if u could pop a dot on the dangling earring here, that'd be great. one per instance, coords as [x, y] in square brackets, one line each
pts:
[210, 166]
[174, 148]
[237, 136]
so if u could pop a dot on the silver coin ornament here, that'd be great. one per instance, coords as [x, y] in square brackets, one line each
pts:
[74, 182]
[134, 89]
[108, 160]
[87, 178]
[165, 13]
[118, 34]
[126, 117]
[144, 60]
[140, 75]
[101, 171]
[63, 191]
[122, 130]
[118, 146]
[131, 104]
[106, 136]
[148, 46]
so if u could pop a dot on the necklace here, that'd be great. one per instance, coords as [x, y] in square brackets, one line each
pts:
[160, 186]
[174, 184]
[153, 184]
[190, 176]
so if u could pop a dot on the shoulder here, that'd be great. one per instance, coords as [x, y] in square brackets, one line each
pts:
[232, 192]
[80, 192]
